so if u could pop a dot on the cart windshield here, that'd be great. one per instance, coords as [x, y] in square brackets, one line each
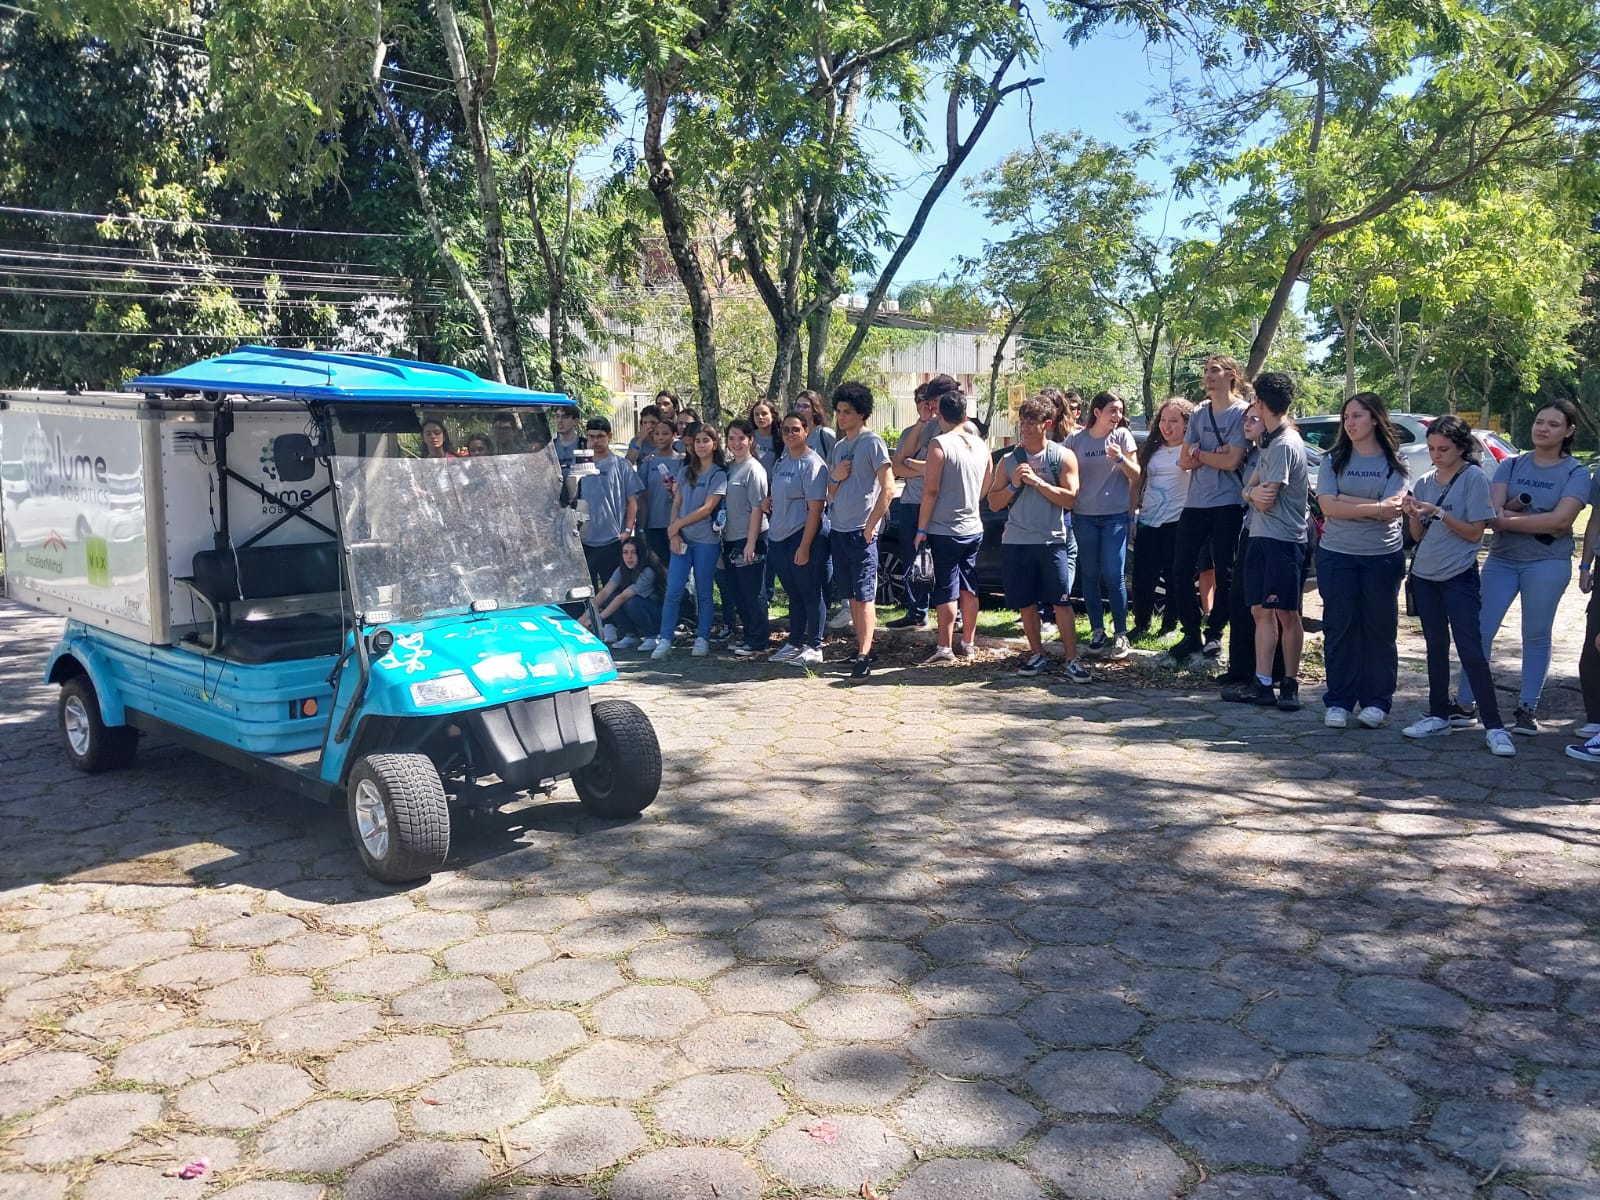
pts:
[435, 535]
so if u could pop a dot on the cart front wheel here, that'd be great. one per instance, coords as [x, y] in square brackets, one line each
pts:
[623, 778]
[92, 745]
[399, 815]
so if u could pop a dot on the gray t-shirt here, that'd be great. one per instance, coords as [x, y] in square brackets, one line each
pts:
[644, 586]
[1545, 488]
[606, 495]
[1365, 477]
[955, 509]
[694, 496]
[853, 499]
[919, 437]
[1031, 520]
[821, 439]
[795, 483]
[747, 488]
[1102, 487]
[1282, 461]
[1211, 431]
[566, 451]
[1443, 553]
[656, 470]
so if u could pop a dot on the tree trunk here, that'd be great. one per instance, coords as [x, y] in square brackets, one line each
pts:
[471, 91]
[999, 356]
[555, 269]
[818, 326]
[1273, 317]
[1348, 324]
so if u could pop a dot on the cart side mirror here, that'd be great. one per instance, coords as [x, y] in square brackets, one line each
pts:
[294, 457]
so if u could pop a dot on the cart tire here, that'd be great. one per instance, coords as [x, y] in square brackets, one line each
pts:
[625, 774]
[92, 745]
[399, 816]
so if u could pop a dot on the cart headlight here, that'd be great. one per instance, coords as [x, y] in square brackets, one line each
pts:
[594, 662]
[453, 687]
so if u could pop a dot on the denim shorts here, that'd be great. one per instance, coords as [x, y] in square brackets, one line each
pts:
[1272, 574]
[855, 565]
[1036, 573]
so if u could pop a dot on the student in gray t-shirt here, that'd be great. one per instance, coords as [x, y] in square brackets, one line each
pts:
[1448, 510]
[612, 498]
[1276, 494]
[954, 483]
[1360, 564]
[744, 538]
[860, 486]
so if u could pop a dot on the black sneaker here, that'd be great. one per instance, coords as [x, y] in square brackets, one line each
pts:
[1032, 665]
[1182, 651]
[1232, 678]
[861, 665]
[721, 633]
[1522, 722]
[1099, 644]
[1463, 716]
[1212, 647]
[1289, 696]
[907, 622]
[1255, 692]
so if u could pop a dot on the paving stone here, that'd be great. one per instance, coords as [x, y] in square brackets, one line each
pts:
[864, 1149]
[969, 991]
[616, 934]
[123, 1020]
[1284, 974]
[117, 1181]
[328, 1135]
[577, 1139]
[742, 1040]
[197, 911]
[1346, 1095]
[1380, 1169]
[261, 929]
[428, 931]
[686, 1173]
[968, 1179]
[255, 997]
[265, 1189]
[497, 954]
[792, 938]
[1254, 1187]
[202, 969]
[245, 1096]
[1171, 994]
[175, 1058]
[322, 1027]
[722, 1107]
[312, 951]
[84, 1128]
[1162, 947]
[852, 1076]
[1306, 1025]
[1496, 983]
[765, 987]
[1099, 1161]
[1236, 1127]
[34, 1080]
[644, 1010]
[136, 949]
[1513, 1136]
[973, 1046]
[397, 1063]
[85, 929]
[538, 914]
[1080, 1019]
[618, 1070]
[1073, 968]
[33, 1185]
[984, 942]
[421, 1171]
[1206, 1052]
[449, 1002]
[1393, 1000]
[477, 1100]
[952, 1115]
[467, 895]
[1094, 1081]
[525, 1037]
[681, 958]
[568, 981]
[381, 975]
[870, 964]
[859, 1017]
[875, 920]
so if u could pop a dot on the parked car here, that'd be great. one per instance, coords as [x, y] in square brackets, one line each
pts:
[1497, 446]
[1410, 428]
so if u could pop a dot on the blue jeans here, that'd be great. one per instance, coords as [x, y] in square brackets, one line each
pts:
[638, 616]
[700, 557]
[1360, 622]
[916, 593]
[804, 586]
[1102, 561]
[748, 582]
[1451, 608]
[1539, 584]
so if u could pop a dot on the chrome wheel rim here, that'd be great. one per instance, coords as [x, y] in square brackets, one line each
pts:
[75, 716]
[372, 819]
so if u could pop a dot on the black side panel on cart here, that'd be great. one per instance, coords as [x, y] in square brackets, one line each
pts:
[528, 741]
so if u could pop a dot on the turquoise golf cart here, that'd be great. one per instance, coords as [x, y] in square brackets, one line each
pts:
[256, 560]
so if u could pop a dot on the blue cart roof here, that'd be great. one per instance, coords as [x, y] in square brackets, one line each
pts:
[315, 375]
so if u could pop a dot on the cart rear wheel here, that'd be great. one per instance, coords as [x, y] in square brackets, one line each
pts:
[91, 744]
[623, 778]
[399, 815]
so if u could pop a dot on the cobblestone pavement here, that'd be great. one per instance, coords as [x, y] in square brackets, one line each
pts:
[936, 936]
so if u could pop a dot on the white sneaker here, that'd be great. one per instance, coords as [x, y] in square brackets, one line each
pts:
[1372, 716]
[941, 654]
[809, 657]
[840, 619]
[1428, 727]
[627, 643]
[663, 648]
[1499, 743]
[784, 653]
[1592, 729]
[648, 644]
[701, 648]
[609, 634]
[1336, 717]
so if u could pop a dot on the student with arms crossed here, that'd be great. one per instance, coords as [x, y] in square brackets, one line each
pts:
[860, 486]
[797, 539]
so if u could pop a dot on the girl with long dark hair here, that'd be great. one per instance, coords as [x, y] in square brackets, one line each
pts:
[1108, 466]
[1163, 486]
[701, 486]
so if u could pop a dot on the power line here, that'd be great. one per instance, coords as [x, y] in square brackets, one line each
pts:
[242, 302]
[205, 337]
[102, 218]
